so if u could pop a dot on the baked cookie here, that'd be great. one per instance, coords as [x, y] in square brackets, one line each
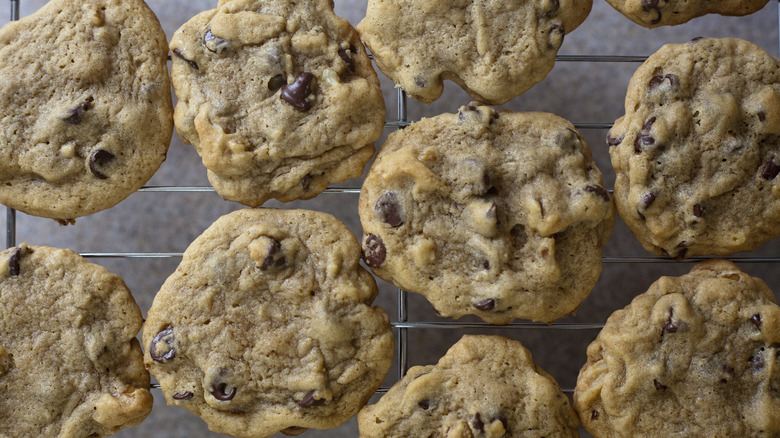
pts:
[266, 325]
[87, 106]
[493, 49]
[485, 386]
[654, 13]
[493, 213]
[278, 97]
[695, 355]
[697, 153]
[70, 365]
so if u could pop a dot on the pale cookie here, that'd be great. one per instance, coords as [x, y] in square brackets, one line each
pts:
[86, 103]
[696, 355]
[70, 364]
[697, 153]
[654, 13]
[485, 386]
[493, 213]
[266, 325]
[278, 97]
[493, 49]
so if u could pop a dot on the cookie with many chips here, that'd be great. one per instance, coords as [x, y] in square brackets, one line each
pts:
[697, 153]
[70, 363]
[494, 213]
[266, 325]
[695, 355]
[654, 13]
[278, 97]
[87, 106]
[485, 386]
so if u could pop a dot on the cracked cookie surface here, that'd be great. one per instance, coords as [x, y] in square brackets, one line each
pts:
[87, 106]
[654, 13]
[485, 386]
[697, 153]
[266, 325]
[493, 49]
[70, 364]
[695, 355]
[493, 213]
[278, 97]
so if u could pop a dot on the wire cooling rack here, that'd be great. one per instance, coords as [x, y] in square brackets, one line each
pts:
[401, 322]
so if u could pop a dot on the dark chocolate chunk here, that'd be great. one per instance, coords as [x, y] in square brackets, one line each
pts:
[347, 58]
[75, 114]
[167, 337]
[276, 82]
[389, 210]
[648, 200]
[425, 404]
[761, 116]
[13, 262]
[698, 210]
[486, 305]
[296, 93]
[98, 159]
[477, 423]
[215, 44]
[756, 320]
[308, 400]
[375, 251]
[192, 63]
[275, 257]
[770, 170]
[183, 396]
[598, 190]
[658, 385]
[218, 391]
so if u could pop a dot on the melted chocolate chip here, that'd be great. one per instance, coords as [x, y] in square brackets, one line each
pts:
[698, 210]
[612, 141]
[477, 423]
[215, 44]
[375, 251]
[425, 404]
[770, 170]
[656, 81]
[308, 400]
[275, 257]
[673, 79]
[486, 305]
[192, 63]
[756, 320]
[13, 262]
[598, 190]
[183, 396]
[347, 58]
[658, 385]
[98, 159]
[761, 116]
[648, 200]
[296, 93]
[648, 125]
[389, 210]
[218, 391]
[276, 82]
[75, 114]
[167, 337]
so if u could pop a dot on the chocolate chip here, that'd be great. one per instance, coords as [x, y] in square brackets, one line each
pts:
[558, 28]
[761, 116]
[215, 44]
[477, 423]
[770, 170]
[598, 190]
[424, 405]
[183, 396]
[296, 93]
[698, 210]
[669, 327]
[294, 430]
[308, 400]
[347, 58]
[648, 200]
[13, 262]
[658, 385]
[486, 305]
[649, 5]
[274, 257]
[594, 415]
[673, 79]
[375, 251]
[389, 210]
[218, 391]
[695, 39]
[276, 82]
[167, 337]
[648, 125]
[656, 81]
[612, 141]
[486, 264]
[756, 320]
[98, 159]
[75, 114]
[643, 140]
[192, 63]
[681, 254]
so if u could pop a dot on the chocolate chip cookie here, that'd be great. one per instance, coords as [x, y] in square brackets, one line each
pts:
[654, 13]
[697, 153]
[695, 355]
[493, 49]
[485, 386]
[493, 213]
[87, 106]
[278, 97]
[266, 325]
[70, 364]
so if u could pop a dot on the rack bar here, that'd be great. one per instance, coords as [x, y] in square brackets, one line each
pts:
[484, 325]
[403, 340]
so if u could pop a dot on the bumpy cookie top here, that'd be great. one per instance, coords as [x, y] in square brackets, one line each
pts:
[494, 49]
[654, 13]
[70, 364]
[278, 97]
[266, 325]
[695, 355]
[697, 153]
[485, 386]
[87, 106]
[493, 213]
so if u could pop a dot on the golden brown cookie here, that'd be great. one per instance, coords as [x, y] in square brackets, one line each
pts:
[654, 13]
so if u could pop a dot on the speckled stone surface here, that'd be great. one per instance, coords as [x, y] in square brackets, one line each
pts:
[583, 92]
